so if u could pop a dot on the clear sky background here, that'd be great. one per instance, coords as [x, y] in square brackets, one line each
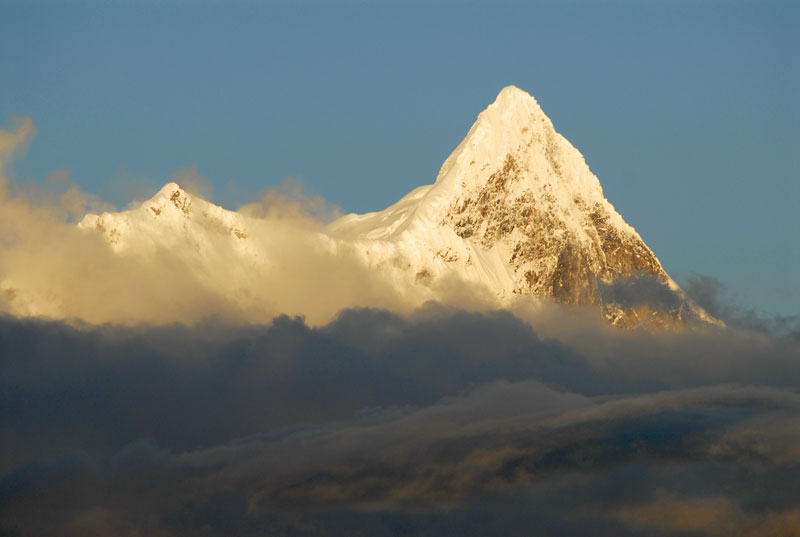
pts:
[687, 111]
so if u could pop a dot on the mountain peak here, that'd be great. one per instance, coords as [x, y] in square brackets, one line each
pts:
[170, 219]
[169, 188]
[515, 211]
[168, 191]
[171, 195]
[513, 105]
[513, 94]
[516, 208]
[515, 129]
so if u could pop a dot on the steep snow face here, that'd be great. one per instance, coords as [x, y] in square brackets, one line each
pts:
[515, 208]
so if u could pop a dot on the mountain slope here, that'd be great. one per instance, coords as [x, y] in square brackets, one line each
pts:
[514, 210]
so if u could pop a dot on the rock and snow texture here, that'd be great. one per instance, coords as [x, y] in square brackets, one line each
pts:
[514, 210]
[173, 220]
[224, 251]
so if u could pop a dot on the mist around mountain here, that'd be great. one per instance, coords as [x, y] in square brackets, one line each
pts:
[514, 218]
[179, 369]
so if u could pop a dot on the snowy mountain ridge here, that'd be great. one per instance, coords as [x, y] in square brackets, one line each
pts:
[514, 209]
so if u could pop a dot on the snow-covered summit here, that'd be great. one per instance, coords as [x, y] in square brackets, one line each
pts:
[172, 219]
[513, 133]
[514, 211]
[515, 130]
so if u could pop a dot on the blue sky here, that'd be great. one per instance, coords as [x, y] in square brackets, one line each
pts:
[687, 111]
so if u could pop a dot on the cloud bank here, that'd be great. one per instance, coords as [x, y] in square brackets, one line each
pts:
[369, 415]
[443, 422]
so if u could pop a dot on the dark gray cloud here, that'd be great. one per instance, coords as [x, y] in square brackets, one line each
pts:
[445, 422]
[100, 388]
[711, 294]
[641, 289]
